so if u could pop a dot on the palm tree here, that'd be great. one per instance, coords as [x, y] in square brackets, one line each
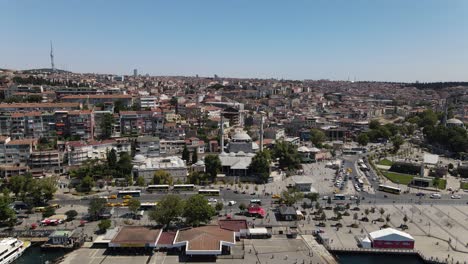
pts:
[387, 219]
[381, 211]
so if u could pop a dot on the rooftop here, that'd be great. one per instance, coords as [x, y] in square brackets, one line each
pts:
[206, 238]
[136, 235]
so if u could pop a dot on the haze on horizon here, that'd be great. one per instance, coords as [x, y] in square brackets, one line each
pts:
[394, 40]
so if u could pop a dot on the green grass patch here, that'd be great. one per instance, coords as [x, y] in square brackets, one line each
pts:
[398, 177]
[464, 185]
[385, 162]
[442, 184]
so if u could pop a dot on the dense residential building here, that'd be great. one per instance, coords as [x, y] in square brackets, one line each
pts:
[76, 152]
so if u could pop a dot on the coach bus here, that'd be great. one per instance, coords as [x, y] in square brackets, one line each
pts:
[158, 188]
[147, 205]
[132, 193]
[209, 192]
[389, 189]
[184, 187]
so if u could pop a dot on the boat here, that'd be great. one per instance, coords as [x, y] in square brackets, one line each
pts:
[11, 249]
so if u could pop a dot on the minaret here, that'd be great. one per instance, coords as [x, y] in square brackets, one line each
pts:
[222, 134]
[52, 65]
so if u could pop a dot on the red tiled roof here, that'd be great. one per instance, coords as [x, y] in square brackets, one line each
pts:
[136, 235]
[166, 238]
[233, 224]
[204, 237]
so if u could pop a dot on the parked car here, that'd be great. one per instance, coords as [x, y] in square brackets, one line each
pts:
[435, 196]
[231, 203]
[420, 194]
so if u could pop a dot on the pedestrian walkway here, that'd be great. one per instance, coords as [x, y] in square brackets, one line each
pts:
[319, 253]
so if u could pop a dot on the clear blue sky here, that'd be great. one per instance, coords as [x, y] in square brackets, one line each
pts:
[392, 40]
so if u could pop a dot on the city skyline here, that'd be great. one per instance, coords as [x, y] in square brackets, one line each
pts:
[366, 40]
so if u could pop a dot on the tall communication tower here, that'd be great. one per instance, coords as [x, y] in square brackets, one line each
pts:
[52, 65]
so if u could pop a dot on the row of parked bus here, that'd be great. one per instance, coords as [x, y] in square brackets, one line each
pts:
[167, 187]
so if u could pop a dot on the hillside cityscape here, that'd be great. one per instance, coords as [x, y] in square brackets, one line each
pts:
[234, 132]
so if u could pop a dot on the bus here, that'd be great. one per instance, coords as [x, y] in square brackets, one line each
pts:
[209, 192]
[389, 189]
[339, 197]
[147, 205]
[360, 183]
[363, 167]
[158, 188]
[132, 193]
[256, 201]
[184, 187]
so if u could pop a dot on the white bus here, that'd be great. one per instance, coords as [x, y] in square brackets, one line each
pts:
[209, 192]
[256, 201]
[132, 193]
[158, 188]
[339, 197]
[360, 183]
[183, 187]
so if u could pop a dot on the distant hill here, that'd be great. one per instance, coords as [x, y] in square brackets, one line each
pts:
[44, 70]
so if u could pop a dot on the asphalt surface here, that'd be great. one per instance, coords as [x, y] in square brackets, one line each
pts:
[227, 194]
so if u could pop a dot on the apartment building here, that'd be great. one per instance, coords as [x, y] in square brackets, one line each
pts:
[76, 152]
[81, 124]
[148, 146]
[141, 123]
[16, 151]
[41, 107]
[94, 99]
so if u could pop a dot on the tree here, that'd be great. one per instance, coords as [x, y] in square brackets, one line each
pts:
[124, 165]
[287, 155]
[291, 196]
[242, 206]
[140, 181]
[104, 224]
[312, 196]
[106, 125]
[7, 214]
[71, 214]
[112, 158]
[134, 205]
[381, 211]
[212, 165]
[16, 184]
[96, 205]
[186, 154]
[162, 177]
[49, 211]
[87, 184]
[219, 206]
[260, 165]
[169, 208]
[397, 142]
[194, 156]
[387, 218]
[363, 139]
[197, 210]
[197, 177]
[405, 219]
[374, 124]
[317, 137]
[48, 187]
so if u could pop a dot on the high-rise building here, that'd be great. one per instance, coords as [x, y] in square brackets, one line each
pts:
[135, 72]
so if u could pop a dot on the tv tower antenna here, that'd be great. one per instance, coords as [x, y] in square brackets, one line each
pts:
[52, 66]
